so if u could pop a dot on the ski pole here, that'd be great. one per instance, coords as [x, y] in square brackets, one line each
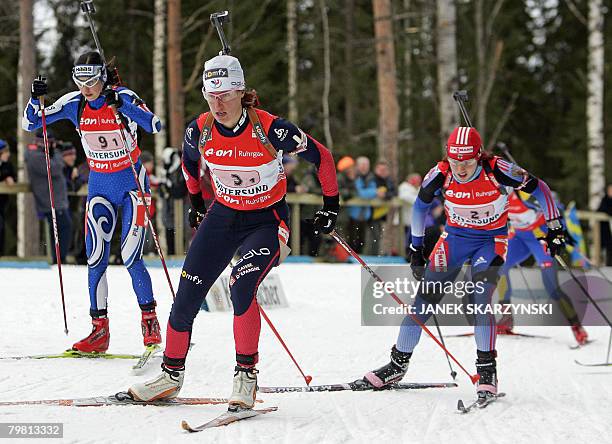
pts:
[453, 373]
[586, 293]
[88, 7]
[349, 250]
[307, 378]
[526, 282]
[52, 201]
[461, 97]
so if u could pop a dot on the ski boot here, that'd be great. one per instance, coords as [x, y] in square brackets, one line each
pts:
[165, 386]
[394, 371]
[244, 388]
[98, 339]
[487, 370]
[580, 333]
[151, 333]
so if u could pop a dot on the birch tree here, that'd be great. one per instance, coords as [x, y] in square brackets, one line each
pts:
[176, 95]
[594, 107]
[326, 75]
[159, 99]
[446, 57]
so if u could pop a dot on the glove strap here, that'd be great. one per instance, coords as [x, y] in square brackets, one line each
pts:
[331, 203]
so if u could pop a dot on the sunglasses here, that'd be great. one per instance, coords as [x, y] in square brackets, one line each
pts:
[222, 97]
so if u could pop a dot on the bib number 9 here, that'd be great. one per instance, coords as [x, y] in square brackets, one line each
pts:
[104, 141]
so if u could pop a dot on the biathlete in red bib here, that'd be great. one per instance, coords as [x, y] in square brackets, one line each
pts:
[475, 187]
[111, 187]
[241, 147]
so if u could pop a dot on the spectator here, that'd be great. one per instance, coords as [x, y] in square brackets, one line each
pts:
[385, 190]
[74, 180]
[359, 217]
[37, 173]
[290, 163]
[172, 187]
[7, 177]
[606, 235]
[408, 192]
[346, 187]
[148, 162]
[311, 242]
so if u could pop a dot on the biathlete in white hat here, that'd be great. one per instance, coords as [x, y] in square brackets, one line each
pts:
[241, 148]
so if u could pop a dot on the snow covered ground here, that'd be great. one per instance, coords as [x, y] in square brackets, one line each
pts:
[550, 399]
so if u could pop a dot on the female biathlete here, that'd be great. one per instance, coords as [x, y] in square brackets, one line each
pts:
[242, 149]
[111, 184]
[475, 187]
[527, 225]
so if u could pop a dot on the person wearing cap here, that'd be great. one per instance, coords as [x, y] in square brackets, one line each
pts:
[242, 148]
[475, 186]
[112, 186]
[7, 177]
[36, 164]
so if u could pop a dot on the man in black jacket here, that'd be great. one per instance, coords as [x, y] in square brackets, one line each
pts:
[37, 173]
[7, 177]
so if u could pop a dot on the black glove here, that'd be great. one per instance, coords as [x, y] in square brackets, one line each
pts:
[555, 238]
[325, 218]
[39, 87]
[197, 210]
[417, 262]
[113, 98]
[569, 240]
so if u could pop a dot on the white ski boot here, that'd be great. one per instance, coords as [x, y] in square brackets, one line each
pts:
[244, 388]
[165, 386]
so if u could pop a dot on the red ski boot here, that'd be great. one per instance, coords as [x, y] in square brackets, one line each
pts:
[580, 333]
[151, 333]
[98, 339]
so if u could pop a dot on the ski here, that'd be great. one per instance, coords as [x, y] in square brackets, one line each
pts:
[601, 364]
[522, 335]
[121, 398]
[227, 418]
[357, 386]
[150, 350]
[480, 402]
[75, 354]
[577, 346]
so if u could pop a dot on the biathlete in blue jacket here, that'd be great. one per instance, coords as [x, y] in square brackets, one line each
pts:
[111, 184]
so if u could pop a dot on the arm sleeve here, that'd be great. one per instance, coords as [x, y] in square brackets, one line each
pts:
[431, 186]
[136, 110]
[510, 174]
[66, 107]
[191, 158]
[286, 136]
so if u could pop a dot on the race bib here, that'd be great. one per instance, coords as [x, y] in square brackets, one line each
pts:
[104, 141]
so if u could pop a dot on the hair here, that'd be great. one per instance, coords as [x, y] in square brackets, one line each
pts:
[89, 58]
[250, 98]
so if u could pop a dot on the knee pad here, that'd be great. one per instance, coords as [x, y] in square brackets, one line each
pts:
[101, 221]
